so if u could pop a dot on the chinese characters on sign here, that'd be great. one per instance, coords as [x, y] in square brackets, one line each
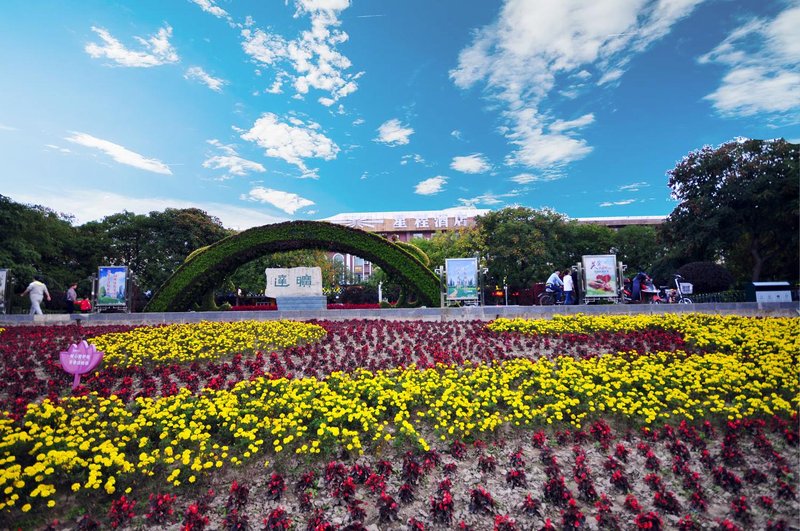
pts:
[293, 282]
[80, 358]
[600, 275]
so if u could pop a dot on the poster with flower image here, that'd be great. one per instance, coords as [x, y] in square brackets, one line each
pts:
[600, 275]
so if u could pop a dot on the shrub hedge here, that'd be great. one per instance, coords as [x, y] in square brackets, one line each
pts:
[707, 277]
[207, 268]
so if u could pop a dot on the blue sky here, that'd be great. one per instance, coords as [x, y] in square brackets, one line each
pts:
[259, 111]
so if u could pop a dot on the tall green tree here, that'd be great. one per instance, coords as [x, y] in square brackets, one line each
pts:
[35, 240]
[738, 205]
[152, 245]
[462, 243]
[639, 247]
[586, 238]
[522, 245]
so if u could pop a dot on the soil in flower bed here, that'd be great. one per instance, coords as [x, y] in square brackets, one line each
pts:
[676, 477]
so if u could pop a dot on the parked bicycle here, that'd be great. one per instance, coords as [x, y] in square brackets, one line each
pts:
[682, 288]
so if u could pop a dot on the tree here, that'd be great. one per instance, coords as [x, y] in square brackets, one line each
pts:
[638, 246]
[586, 238]
[461, 243]
[738, 205]
[523, 245]
[152, 245]
[38, 240]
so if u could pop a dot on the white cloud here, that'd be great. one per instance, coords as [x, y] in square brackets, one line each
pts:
[527, 178]
[196, 73]
[559, 126]
[416, 157]
[210, 6]
[58, 148]
[156, 50]
[763, 60]
[358, 121]
[393, 133]
[633, 187]
[286, 201]
[488, 199]
[292, 142]
[455, 133]
[230, 161]
[263, 47]
[4, 127]
[617, 203]
[475, 163]
[313, 57]
[105, 203]
[120, 154]
[525, 57]
[430, 186]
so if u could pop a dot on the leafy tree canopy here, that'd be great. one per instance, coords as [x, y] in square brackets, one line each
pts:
[523, 245]
[738, 205]
[461, 243]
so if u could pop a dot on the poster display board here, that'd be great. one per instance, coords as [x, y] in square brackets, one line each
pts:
[293, 282]
[600, 276]
[462, 279]
[112, 288]
[3, 277]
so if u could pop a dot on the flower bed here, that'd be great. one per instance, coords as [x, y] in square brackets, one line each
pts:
[560, 416]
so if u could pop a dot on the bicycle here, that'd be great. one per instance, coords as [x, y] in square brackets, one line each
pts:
[681, 289]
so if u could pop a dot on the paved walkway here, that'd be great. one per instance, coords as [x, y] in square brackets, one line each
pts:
[485, 313]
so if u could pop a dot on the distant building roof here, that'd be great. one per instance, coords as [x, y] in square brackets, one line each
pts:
[388, 221]
[456, 211]
[403, 221]
[622, 221]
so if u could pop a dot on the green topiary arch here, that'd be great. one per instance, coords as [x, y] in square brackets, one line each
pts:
[205, 269]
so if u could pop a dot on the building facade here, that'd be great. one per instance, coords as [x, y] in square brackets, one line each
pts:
[404, 226]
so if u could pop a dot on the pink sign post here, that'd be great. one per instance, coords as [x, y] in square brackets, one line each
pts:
[80, 359]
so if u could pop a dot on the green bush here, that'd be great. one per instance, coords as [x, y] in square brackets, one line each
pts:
[706, 277]
[208, 267]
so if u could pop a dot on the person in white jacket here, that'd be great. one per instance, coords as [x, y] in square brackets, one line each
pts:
[37, 291]
[569, 287]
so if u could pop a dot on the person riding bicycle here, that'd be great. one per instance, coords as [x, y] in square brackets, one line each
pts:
[555, 285]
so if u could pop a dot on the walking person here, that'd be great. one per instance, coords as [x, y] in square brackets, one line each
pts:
[569, 287]
[37, 292]
[72, 297]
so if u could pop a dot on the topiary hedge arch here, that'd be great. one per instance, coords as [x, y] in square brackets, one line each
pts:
[205, 270]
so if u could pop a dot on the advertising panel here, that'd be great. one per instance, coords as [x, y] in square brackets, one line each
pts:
[111, 286]
[462, 279]
[3, 276]
[293, 282]
[600, 274]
